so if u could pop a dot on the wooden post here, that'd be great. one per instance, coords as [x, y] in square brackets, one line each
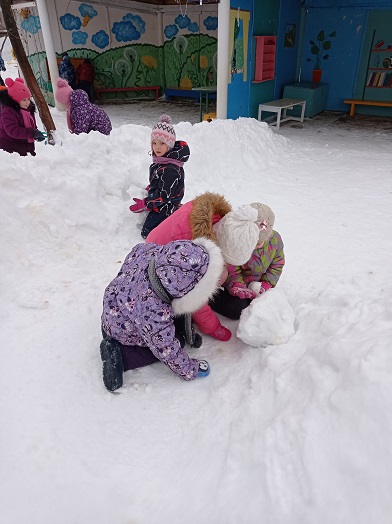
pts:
[13, 35]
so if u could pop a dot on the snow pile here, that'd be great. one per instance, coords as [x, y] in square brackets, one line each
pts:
[268, 321]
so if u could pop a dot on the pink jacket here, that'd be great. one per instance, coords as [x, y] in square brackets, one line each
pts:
[193, 220]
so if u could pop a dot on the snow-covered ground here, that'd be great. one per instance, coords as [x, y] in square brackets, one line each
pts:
[296, 433]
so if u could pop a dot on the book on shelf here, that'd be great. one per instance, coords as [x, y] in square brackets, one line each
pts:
[370, 81]
[381, 79]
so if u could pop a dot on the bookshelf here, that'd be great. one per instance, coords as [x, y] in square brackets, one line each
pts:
[379, 73]
[265, 58]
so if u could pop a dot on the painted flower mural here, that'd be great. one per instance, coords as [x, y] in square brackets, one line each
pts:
[149, 64]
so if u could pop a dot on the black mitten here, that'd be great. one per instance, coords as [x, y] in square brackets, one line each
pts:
[38, 135]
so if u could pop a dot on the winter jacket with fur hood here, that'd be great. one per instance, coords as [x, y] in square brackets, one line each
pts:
[14, 135]
[135, 315]
[193, 220]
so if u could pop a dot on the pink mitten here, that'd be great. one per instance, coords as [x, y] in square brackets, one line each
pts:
[147, 188]
[139, 205]
[264, 287]
[240, 291]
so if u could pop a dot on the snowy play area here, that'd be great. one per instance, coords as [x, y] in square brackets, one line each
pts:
[293, 424]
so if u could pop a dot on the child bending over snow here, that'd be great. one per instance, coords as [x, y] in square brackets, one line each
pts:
[258, 275]
[147, 307]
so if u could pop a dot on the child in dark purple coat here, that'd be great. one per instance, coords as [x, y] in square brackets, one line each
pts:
[18, 129]
[82, 116]
[147, 307]
[166, 183]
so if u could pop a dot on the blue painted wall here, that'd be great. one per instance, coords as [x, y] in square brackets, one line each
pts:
[340, 70]
[238, 90]
[345, 71]
[287, 58]
[266, 23]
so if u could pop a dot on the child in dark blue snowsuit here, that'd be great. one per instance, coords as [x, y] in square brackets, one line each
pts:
[166, 187]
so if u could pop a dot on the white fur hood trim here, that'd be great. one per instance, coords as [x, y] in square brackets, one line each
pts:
[205, 288]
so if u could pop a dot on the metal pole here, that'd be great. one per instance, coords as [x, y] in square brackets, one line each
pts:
[49, 46]
[223, 58]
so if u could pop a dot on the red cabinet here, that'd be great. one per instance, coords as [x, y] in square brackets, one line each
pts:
[265, 58]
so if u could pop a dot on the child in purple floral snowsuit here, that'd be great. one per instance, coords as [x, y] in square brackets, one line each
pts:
[258, 275]
[166, 183]
[82, 116]
[147, 307]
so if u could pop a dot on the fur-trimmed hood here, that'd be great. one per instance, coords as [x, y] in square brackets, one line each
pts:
[201, 288]
[207, 209]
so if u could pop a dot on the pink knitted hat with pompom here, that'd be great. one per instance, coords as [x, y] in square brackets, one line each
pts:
[164, 131]
[17, 89]
[63, 91]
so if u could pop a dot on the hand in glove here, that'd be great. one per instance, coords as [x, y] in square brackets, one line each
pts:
[259, 287]
[241, 291]
[147, 188]
[39, 135]
[139, 206]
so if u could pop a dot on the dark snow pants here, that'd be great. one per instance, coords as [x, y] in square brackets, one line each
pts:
[227, 305]
[138, 356]
[152, 221]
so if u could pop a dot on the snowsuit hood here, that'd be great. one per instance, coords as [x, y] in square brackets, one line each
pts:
[192, 220]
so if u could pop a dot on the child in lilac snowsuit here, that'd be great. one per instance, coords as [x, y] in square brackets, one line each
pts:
[147, 307]
[82, 116]
[258, 275]
[166, 183]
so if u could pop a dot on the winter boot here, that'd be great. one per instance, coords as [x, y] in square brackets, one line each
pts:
[221, 333]
[113, 366]
[204, 369]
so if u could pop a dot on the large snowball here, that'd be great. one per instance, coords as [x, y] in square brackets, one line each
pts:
[268, 321]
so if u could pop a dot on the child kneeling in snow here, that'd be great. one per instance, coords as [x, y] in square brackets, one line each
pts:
[147, 307]
[258, 275]
[82, 116]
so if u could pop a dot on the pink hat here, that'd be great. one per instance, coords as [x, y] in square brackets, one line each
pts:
[164, 131]
[63, 91]
[17, 89]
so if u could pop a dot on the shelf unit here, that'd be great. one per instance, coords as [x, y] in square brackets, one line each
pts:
[265, 58]
[380, 77]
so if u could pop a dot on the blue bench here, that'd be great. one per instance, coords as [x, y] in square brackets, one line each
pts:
[171, 92]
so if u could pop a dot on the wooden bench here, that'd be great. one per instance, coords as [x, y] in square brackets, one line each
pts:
[101, 90]
[354, 102]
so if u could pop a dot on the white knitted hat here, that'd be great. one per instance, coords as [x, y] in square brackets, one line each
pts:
[237, 234]
[164, 131]
[265, 220]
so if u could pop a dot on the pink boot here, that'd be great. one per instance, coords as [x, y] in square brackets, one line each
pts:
[221, 333]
